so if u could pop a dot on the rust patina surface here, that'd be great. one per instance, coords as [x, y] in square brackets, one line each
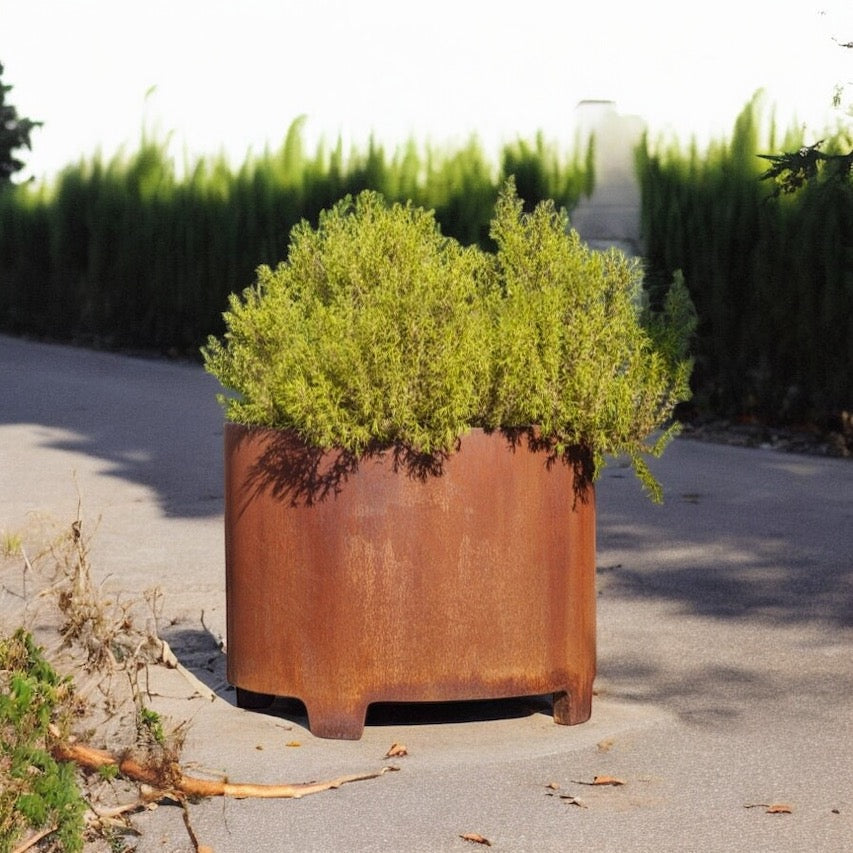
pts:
[395, 579]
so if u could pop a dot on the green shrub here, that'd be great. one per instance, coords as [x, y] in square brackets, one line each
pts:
[573, 353]
[379, 331]
[368, 334]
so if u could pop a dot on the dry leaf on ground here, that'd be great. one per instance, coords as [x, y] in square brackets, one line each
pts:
[607, 780]
[476, 839]
[552, 790]
[396, 751]
[771, 808]
[601, 780]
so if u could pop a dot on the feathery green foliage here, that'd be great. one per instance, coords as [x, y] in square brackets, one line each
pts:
[377, 330]
[368, 334]
[571, 351]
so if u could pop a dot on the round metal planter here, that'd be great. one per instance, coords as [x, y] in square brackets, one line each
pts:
[399, 579]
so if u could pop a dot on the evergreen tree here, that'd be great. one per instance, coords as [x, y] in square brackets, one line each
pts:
[14, 134]
[793, 169]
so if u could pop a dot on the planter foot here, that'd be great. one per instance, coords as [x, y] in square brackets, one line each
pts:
[572, 707]
[336, 722]
[251, 701]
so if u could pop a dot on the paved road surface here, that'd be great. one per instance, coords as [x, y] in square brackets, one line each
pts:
[725, 643]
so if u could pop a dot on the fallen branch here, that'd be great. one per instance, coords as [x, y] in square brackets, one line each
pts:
[173, 780]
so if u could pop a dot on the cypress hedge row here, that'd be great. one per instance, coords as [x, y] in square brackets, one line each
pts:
[771, 277]
[127, 254]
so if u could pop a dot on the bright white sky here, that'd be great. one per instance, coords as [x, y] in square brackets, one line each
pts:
[230, 75]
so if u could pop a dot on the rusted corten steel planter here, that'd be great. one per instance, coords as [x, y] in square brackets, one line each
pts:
[382, 581]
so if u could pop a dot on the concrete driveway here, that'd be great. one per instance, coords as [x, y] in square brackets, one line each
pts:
[725, 643]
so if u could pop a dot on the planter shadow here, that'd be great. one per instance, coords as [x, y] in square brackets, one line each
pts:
[199, 651]
[381, 714]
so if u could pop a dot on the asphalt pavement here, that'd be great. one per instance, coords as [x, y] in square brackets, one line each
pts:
[725, 636]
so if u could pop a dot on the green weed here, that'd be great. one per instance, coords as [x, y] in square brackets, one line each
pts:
[10, 544]
[36, 792]
[150, 726]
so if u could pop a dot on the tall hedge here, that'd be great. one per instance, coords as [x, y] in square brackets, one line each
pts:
[771, 278]
[127, 253]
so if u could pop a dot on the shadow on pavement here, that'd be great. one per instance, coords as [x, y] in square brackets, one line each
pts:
[153, 422]
[743, 534]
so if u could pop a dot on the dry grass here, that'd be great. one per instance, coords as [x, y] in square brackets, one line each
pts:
[107, 643]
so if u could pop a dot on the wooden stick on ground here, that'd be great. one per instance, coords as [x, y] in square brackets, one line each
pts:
[93, 759]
